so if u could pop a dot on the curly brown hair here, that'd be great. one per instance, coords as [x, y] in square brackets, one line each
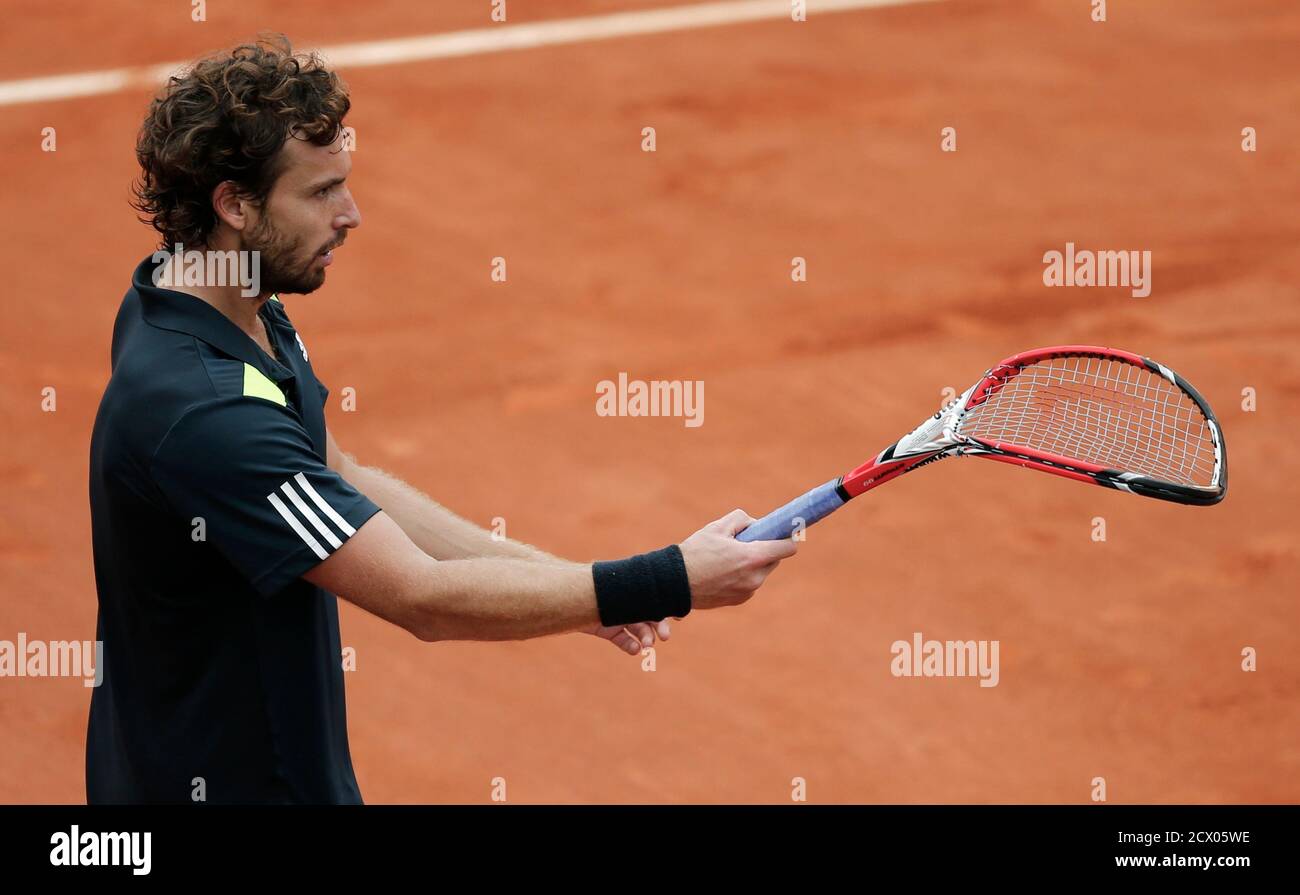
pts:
[226, 118]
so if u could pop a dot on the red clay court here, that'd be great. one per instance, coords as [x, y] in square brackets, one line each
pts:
[775, 139]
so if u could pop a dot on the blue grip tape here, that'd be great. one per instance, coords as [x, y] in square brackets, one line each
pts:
[778, 524]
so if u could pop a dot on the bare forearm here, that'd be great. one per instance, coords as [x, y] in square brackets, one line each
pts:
[432, 527]
[506, 599]
[380, 570]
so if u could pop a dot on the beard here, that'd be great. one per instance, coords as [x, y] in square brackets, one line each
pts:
[280, 263]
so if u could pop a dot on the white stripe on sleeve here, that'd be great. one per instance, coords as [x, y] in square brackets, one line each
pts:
[311, 517]
[296, 525]
[324, 507]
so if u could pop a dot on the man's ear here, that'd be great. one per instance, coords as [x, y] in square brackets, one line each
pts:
[231, 207]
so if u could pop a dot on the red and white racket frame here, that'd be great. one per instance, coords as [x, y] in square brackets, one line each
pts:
[938, 437]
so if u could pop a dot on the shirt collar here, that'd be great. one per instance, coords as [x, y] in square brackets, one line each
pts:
[179, 312]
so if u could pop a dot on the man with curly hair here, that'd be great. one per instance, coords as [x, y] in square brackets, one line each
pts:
[225, 518]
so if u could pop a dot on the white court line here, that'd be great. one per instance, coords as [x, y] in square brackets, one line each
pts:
[455, 43]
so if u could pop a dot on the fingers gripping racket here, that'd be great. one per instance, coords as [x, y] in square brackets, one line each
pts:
[1094, 415]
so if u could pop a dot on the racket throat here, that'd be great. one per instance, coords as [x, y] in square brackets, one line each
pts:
[886, 467]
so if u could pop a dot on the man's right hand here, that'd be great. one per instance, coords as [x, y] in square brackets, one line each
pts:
[724, 571]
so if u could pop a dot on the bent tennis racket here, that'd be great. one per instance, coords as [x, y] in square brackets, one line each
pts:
[1097, 415]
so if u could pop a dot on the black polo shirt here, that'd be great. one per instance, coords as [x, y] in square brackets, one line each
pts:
[209, 498]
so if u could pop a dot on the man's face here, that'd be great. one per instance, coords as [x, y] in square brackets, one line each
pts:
[306, 215]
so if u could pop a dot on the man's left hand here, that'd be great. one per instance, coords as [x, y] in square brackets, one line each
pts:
[631, 639]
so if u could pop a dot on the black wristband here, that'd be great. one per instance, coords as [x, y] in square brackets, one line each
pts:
[644, 588]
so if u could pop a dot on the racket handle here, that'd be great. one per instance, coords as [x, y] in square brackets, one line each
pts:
[778, 524]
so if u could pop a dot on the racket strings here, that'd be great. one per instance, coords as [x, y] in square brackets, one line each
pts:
[1102, 411]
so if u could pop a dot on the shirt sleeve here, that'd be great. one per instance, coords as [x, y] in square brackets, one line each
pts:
[269, 503]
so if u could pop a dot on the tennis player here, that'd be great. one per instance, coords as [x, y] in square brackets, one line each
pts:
[226, 517]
